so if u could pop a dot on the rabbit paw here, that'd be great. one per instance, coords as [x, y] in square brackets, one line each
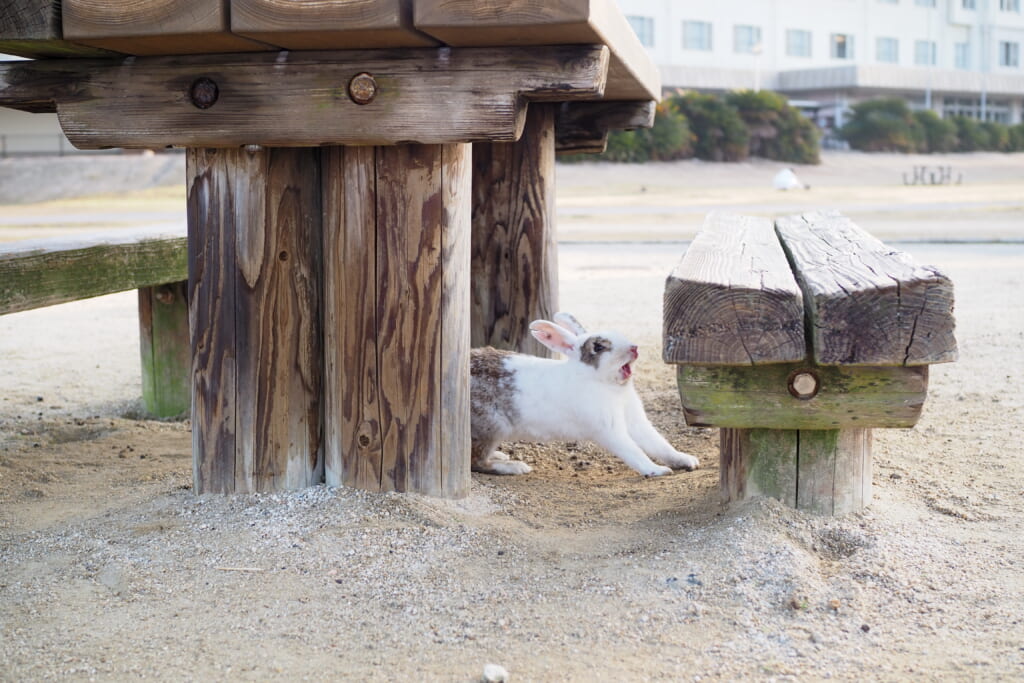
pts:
[657, 471]
[681, 461]
[499, 463]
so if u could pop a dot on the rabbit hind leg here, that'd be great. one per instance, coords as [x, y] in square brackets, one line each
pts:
[491, 461]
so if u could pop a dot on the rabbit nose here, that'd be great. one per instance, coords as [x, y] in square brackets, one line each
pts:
[635, 352]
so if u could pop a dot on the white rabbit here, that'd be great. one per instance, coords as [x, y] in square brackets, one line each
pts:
[589, 396]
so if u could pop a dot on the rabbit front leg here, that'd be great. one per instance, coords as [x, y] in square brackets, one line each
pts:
[651, 441]
[625, 449]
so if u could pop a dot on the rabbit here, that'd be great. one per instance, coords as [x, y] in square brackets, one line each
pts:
[588, 396]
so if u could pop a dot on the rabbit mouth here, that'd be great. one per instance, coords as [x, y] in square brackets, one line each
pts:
[625, 372]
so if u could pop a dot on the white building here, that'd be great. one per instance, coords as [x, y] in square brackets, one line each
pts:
[958, 57]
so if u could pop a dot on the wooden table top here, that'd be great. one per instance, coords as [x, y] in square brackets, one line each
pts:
[91, 28]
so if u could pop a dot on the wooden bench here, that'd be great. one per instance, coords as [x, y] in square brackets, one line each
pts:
[370, 191]
[796, 338]
[44, 272]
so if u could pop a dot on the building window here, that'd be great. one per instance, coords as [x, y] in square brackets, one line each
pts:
[841, 46]
[798, 43]
[697, 35]
[1009, 53]
[644, 29]
[887, 50]
[962, 55]
[1009, 5]
[994, 110]
[924, 52]
[969, 4]
[747, 39]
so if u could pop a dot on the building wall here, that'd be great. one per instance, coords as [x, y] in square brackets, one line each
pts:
[995, 89]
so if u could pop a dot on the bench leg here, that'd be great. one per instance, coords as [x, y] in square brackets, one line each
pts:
[514, 253]
[396, 315]
[254, 223]
[822, 471]
[164, 347]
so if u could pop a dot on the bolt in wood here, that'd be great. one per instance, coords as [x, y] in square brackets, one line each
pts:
[362, 88]
[203, 93]
[803, 384]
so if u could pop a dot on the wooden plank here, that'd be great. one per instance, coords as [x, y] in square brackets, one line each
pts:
[353, 452]
[826, 472]
[328, 24]
[154, 27]
[514, 247]
[31, 28]
[302, 99]
[867, 304]
[847, 396]
[632, 73]
[414, 281]
[254, 220]
[164, 345]
[732, 299]
[583, 127]
[36, 273]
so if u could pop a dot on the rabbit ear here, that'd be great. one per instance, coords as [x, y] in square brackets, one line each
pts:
[553, 336]
[567, 321]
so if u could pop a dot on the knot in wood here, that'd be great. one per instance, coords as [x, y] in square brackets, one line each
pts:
[803, 384]
[203, 92]
[362, 88]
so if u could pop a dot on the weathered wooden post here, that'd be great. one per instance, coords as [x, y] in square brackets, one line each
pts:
[796, 341]
[165, 350]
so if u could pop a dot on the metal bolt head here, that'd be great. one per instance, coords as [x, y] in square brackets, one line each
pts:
[803, 384]
[362, 88]
[203, 92]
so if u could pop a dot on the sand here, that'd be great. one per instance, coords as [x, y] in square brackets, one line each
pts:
[112, 569]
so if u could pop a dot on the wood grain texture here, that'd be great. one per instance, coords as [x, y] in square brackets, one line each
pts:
[826, 472]
[31, 28]
[732, 299]
[849, 396]
[632, 74]
[328, 24]
[514, 247]
[254, 222]
[583, 127]
[396, 307]
[867, 304]
[165, 349]
[44, 272]
[353, 452]
[154, 27]
[301, 99]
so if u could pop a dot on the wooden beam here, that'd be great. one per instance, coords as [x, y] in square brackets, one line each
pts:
[583, 127]
[764, 396]
[36, 273]
[305, 99]
[31, 28]
[254, 304]
[396, 280]
[732, 299]
[632, 73]
[164, 345]
[515, 253]
[328, 24]
[867, 304]
[154, 27]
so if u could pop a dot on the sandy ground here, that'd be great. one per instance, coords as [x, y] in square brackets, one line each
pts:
[112, 569]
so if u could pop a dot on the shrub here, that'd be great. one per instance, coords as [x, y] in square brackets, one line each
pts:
[777, 130]
[970, 135]
[1017, 138]
[998, 136]
[669, 138]
[719, 132]
[939, 134]
[884, 125]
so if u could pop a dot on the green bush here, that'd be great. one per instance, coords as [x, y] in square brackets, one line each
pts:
[719, 132]
[1017, 138]
[939, 134]
[669, 138]
[970, 135]
[777, 130]
[885, 125]
[998, 136]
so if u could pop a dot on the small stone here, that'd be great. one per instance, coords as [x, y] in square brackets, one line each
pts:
[495, 673]
[865, 628]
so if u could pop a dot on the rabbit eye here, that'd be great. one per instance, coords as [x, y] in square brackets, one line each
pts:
[599, 347]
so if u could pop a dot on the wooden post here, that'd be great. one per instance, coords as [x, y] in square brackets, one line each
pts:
[822, 471]
[515, 262]
[254, 281]
[164, 346]
[396, 283]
